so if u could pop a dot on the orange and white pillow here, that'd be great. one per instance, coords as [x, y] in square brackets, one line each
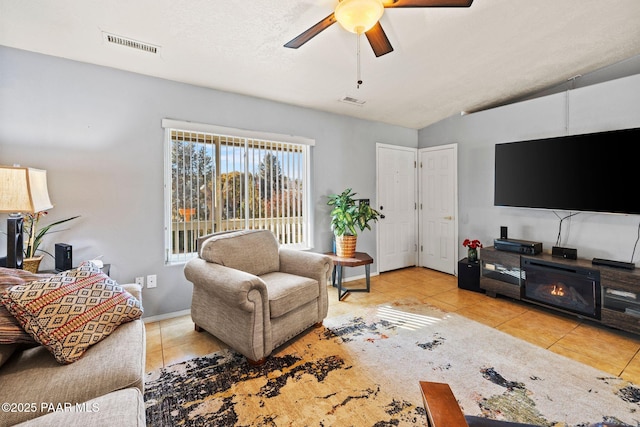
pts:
[72, 310]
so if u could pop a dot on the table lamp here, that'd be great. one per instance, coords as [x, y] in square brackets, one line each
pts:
[22, 190]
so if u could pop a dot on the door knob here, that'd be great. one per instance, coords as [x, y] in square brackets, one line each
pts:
[448, 217]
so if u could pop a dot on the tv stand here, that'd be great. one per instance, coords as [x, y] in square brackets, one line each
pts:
[501, 274]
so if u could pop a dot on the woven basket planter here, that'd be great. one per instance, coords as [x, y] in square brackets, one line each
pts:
[32, 264]
[346, 246]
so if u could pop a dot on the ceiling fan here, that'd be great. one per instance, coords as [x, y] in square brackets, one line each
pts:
[362, 16]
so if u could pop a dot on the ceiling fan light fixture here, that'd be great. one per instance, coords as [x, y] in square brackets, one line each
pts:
[359, 16]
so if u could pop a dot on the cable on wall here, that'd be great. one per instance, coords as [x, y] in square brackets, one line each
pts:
[633, 254]
[559, 238]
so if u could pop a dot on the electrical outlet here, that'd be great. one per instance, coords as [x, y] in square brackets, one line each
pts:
[151, 281]
[140, 281]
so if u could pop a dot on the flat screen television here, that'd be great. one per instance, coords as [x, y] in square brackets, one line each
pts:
[596, 172]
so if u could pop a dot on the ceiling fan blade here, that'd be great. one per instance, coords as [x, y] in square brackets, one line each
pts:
[378, 40]
[427, 3]
[311, 32]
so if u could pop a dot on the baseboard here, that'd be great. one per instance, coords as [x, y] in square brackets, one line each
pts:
[166, 316]
[352, 278]
[174, 314]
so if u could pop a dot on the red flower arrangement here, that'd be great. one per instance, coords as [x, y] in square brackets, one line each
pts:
[472, 244]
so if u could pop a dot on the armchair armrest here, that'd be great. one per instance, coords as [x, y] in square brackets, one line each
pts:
[228, 284]
[307, 264]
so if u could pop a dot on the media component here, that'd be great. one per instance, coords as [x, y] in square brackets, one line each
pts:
[518, 246]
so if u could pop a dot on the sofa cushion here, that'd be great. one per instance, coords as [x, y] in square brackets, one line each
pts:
[287, 291]
[125, 406]
[10, 330]
[33, 375]
[72, 310]
[251, 251]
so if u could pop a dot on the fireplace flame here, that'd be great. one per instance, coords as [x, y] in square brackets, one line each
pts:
[557, 290]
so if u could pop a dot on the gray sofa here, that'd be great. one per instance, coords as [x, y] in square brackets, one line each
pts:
[102, 388]
[253, 294]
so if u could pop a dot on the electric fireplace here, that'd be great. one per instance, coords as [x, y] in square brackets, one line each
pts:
[569, 288]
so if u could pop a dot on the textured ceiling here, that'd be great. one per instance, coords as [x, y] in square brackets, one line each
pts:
[446, 60]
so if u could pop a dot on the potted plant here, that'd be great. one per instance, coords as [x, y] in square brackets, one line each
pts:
[349, 216]
[31, 261]
[472, 251]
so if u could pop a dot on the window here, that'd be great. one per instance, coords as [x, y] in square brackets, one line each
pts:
[219, 179]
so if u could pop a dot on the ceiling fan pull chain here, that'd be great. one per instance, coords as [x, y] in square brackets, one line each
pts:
[359, 81]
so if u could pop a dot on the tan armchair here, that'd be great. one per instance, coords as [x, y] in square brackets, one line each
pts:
[253, 294]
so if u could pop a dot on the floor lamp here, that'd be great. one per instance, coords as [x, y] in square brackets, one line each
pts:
[22, 190]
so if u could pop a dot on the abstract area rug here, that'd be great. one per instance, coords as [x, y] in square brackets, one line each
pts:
[363, 369]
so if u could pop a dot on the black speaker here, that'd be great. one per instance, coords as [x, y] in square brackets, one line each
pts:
[469, 275]
[567, 253]
[503, 232]
[63, 257]
[14, 242]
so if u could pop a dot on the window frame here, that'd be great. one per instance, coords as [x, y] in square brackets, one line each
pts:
[170, 125]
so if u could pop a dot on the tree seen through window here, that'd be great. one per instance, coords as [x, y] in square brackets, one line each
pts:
[221, 183]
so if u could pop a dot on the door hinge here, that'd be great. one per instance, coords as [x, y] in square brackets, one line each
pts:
[415, 164]
[421, 248]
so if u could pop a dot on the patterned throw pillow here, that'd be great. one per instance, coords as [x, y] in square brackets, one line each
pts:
[69, 312]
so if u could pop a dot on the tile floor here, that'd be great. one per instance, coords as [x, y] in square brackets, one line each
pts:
[616, 352]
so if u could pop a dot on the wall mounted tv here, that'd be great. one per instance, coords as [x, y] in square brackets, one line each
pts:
[595, 172]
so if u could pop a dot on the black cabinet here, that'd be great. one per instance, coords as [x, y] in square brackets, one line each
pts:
[469, 275]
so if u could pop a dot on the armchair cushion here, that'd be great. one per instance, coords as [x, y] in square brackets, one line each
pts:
[252, 251]
[287, 291]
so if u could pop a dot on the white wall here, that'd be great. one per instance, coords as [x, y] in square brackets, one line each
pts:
[598, 107]
[97, 131]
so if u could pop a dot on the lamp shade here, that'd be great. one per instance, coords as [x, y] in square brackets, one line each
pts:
[359, 16]
[23, 190]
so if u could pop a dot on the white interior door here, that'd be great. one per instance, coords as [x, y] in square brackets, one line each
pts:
[439, 208]
[396, 188]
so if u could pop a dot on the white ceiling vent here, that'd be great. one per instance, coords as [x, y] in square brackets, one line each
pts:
[127, 42]
[353, 101]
